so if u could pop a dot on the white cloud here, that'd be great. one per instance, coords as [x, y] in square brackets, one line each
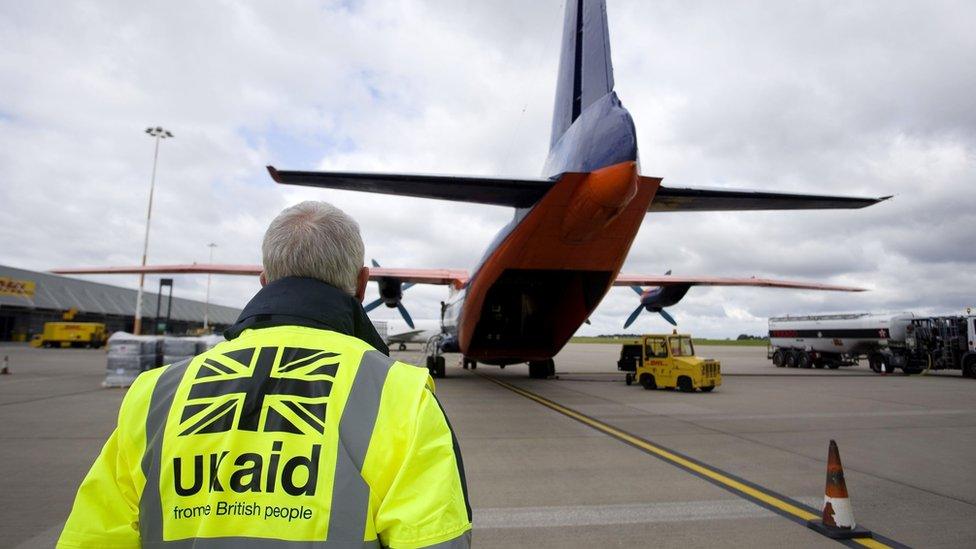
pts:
[870, 98]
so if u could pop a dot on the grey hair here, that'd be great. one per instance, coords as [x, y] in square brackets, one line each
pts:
[314, 240]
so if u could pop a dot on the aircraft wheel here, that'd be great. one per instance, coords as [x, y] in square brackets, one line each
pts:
[440, 367]
[647, 382]
[541, 369]
[402, 347]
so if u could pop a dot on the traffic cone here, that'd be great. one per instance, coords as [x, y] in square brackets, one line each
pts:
[837, 521]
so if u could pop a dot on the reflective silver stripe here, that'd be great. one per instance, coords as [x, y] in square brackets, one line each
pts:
[150, 505]
[461, 542]
[258, 543]
[350, 493]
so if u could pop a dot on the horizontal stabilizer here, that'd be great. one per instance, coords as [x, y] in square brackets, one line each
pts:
[518, 193]
[685, 199]
[673, 280]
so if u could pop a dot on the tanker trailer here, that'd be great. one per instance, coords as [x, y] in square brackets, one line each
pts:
[834, 340]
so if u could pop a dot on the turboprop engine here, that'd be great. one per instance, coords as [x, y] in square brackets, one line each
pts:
[391, 295]
[654, 300]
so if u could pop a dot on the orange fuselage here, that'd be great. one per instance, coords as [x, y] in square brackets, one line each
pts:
[547, 275]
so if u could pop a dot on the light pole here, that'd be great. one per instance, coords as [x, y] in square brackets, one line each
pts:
[206, 307]
[158, 133]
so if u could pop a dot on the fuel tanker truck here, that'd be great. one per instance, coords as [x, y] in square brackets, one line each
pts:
[905, 340]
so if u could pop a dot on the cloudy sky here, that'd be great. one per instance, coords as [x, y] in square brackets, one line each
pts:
[865, 98]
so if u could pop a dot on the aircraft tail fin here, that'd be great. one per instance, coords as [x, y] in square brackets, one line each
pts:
[585, 70]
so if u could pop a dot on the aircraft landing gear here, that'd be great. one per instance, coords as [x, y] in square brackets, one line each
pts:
[402, 347]
[436, 366]
[542, 369]
[469, 363]
[435, 360]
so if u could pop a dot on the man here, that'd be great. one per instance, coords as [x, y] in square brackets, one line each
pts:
[298, 431]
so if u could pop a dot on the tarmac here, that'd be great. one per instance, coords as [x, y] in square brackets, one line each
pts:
[549, 462]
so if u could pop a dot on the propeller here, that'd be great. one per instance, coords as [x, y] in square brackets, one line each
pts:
[391, 293]
[649, 306]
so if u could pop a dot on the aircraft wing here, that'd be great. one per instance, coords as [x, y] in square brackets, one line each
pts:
[456, 277]
[686, 199]
[405, 337]
[672, 280]
[192, 268]
[518, 193]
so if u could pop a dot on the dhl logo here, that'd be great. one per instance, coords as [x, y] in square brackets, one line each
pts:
[23, 288]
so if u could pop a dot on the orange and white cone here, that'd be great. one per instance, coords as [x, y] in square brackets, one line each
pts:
[837, 520]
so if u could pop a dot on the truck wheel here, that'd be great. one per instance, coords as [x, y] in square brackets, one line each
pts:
[969, 368]
[833, 365]
[804, 360]
[629, 379]
[874, 362]
[647, 382]
[778, 359]
[685, 385]
[790, 360]
[909, 370]
[707, 389]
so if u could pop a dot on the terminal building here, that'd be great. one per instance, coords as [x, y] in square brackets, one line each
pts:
[28, 299]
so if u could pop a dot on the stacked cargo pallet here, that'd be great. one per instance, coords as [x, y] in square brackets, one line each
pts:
[128, 356]
[176, 349]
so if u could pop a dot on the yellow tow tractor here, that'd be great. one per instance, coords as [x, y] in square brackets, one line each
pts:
[70, 334]
[668, 362]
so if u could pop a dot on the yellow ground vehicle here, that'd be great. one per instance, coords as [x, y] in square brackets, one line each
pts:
[668, 361]
[70, 334]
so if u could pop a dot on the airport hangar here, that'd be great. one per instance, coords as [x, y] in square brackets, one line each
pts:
[28, 299]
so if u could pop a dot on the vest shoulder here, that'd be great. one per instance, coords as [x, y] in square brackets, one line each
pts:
[295, 336]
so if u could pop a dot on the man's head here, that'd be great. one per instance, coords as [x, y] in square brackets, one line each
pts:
[315, 240]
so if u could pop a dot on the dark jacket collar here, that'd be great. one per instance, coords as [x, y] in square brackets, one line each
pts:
[294, 301]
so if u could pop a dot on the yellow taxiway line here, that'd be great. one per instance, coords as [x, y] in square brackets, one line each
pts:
[750, 491]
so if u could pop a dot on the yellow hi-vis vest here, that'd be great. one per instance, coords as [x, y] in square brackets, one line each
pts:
[283, 437]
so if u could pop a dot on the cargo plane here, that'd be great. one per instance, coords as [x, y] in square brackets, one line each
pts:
[546, 271]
